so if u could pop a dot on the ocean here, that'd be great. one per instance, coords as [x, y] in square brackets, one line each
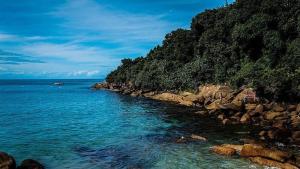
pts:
[73, 126]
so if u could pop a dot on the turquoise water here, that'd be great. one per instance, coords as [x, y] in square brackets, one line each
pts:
[72, 126]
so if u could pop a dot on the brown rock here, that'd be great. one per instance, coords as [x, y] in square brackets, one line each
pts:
[197, 137]
[271, 115]
[296, 135]
[251, 150]
[249, 107]
[259, 108]
[245, 118]
[238, 148]
[262, 133]
[272, 163]
[222, 150]
[291, 107]
[201, 113]
[221, 117]
[7, 161]
[230, 106]
[226, 122]
[278, 107]
[214, 105]
[298, 108]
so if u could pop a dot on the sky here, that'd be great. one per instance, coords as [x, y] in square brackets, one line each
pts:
[70, 39]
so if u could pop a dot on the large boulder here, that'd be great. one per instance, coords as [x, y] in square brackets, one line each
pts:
[246, 96]
[171, 97]
[30, 164]
[7, 161]
[272, 163]
[223, 150]
[215, 92]
[251, 150]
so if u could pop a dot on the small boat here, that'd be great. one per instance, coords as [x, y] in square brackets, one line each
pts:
[58, 84]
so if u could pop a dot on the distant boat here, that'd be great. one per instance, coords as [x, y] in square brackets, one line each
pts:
[58, 83]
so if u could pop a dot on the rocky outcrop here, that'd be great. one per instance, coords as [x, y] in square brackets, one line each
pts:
[242, 106]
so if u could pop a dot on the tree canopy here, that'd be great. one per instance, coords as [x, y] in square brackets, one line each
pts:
[251, 42]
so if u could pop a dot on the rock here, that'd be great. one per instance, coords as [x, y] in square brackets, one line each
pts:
[245, 118]
[295, 121]
[171, 97]
[221, 117]
[215, 92]
[30, 164]
[181, 140]
[272, 163]
[202, 113]
[271, 115]
[291, 107]
[278, 107]
[281, 124]
[214, 105]
[249, 107]
[251, 150]
[298, 108]
[197, 137]
[296, 135]
[222, 150]
[230, 106]
[226, 122]
[262, 133]
[247, 95]
[238, 148]
[7, 161]
[136, 93]
[259, 108]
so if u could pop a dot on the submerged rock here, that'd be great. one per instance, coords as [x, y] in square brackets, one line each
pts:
[197, 137]
[30, 164]
[7, 161]
[272, 163]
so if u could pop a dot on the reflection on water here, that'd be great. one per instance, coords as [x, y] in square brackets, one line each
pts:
[74, 127]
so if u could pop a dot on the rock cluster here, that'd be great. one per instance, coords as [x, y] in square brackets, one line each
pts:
[8, 162]
[260, 155]
[279, 121]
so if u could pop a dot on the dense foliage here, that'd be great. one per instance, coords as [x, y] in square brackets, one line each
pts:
[251, 42]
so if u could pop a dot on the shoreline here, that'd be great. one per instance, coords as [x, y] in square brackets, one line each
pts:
[279, 123]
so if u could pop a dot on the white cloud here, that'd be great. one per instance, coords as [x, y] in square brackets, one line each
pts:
[110, 24]
[85, 73]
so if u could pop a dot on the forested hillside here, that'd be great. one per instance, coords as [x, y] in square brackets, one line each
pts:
[251, 42]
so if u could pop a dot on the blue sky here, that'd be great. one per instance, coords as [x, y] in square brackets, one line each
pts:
[85, 38]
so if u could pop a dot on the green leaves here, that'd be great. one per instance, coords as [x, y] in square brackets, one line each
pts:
[252, 42]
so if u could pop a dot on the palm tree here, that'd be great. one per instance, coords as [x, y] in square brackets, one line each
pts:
[226, 2]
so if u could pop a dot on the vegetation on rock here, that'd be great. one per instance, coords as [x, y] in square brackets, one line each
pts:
[251, 42]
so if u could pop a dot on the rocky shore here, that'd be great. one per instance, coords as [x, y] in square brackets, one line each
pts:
[8, 162]
[278, 122]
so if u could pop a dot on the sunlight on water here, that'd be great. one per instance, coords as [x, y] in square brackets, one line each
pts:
[72, 126]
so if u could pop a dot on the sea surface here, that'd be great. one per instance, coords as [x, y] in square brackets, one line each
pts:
[73, 126]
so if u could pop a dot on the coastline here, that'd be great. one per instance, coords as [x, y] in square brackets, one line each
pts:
[279, 123]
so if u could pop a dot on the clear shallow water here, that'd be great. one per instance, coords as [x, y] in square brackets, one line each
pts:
[72, 126]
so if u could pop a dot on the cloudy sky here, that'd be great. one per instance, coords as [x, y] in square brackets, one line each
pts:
[85, 38]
